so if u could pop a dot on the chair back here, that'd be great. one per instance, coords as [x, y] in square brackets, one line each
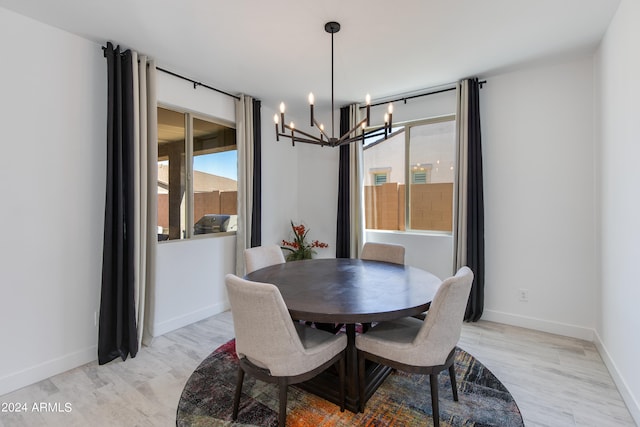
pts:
[386, 252]
[264, 331]
[262, 256]
[441, 329]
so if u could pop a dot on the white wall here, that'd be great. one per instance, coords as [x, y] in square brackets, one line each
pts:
[431, 252]
[280, 166]
[190, 273]
[190, 280]
[318, 194]
[619, 151]
[538, 152]
[52, 182]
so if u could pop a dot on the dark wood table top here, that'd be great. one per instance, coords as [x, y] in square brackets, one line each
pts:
[346, 290]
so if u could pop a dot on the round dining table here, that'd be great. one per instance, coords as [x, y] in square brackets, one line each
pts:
[350, 292]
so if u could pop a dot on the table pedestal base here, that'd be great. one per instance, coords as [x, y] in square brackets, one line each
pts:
[325, 384]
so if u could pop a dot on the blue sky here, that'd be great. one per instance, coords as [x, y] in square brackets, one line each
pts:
[222, 164]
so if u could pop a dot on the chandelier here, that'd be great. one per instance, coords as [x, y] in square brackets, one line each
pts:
[296, 135]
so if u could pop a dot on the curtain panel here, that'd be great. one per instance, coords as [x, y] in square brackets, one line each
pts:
[350, 224]
[248, 141]
[129, 224]
[343, 226]
[469, 222]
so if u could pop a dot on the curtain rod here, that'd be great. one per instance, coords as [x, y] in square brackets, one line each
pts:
[406, 98]
[196, 83]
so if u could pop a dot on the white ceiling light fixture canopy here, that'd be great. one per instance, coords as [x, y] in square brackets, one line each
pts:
[296, 135]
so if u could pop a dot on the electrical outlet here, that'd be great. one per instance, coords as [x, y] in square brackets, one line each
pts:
[523, 295]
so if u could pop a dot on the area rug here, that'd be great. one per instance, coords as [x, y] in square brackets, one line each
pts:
[402, 400]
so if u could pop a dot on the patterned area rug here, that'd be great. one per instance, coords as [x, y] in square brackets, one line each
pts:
[402, 400]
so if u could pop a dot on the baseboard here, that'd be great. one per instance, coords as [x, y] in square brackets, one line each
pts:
[178, 322]
[34, 374]
[623, 388]
[47, 369]
[558, 328]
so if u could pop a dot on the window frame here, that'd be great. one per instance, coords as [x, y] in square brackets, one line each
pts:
[406, 127]
[189, 116]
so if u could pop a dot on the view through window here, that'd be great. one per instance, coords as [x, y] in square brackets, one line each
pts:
[422, 154]
[197, 176]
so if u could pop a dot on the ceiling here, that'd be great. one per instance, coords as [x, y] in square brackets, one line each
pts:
[278, 50]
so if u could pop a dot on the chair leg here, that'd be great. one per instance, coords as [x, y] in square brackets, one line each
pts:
[454, 385]
[282, 412]
[236, 397]
[361, 378]
[341, 375]
[433, 380]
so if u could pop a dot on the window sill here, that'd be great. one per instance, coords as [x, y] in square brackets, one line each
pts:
[412, 232]
[200, 237]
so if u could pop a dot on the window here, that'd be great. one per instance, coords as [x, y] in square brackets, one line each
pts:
[197, 175]
[420, 173]
[380, 178]
[422, 154]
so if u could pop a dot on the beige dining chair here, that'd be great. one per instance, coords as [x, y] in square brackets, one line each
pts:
[262, 256]
[387, 252]
[272, 348]
[421, 347]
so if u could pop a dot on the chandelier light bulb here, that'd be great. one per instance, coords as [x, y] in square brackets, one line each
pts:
[276, 119]
[311, 98]
[386, 118]
[292, 126]
[368, 99]
[282, 107]
[390, 108]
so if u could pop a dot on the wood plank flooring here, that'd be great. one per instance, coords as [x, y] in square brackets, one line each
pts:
[556, 381]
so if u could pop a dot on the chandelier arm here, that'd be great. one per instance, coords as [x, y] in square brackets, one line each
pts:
[315, 138]
[349, 140]
[306, 140]
[344, 137]
[315, 122]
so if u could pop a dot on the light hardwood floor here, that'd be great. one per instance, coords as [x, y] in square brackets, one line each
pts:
[556, 381]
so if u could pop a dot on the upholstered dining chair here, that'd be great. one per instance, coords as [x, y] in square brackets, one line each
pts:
[422, 347]
[262, 256]
[272, 348]
[386, 252]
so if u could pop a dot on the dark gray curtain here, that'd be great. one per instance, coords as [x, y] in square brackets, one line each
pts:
[117, 335]
[475, 207]
[256, 215]
[343, 237]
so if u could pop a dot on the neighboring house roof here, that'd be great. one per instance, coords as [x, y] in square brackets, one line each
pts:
[202, 181]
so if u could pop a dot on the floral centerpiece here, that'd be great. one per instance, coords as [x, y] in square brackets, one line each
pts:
[300, 248]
